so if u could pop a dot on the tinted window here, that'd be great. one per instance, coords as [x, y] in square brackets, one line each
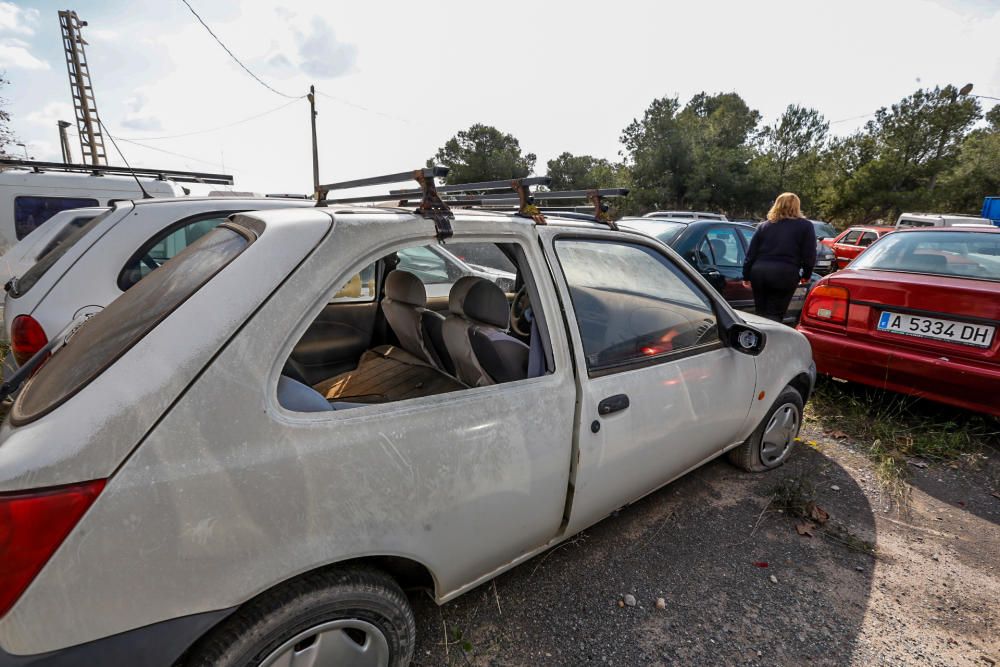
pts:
[851, 238]
[958, 254]
[824, 230]
[867, 238]
[63, 234]
[53, 254]
[747, 234]
[727, 250]
[165, 246]
[30, 212]
[482, 255]
[632, 303]
[110, 333]
[430, 267]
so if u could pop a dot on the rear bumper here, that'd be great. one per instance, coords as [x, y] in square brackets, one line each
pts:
[958, 382]
[157, 645]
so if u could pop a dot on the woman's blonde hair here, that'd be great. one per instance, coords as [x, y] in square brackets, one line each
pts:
[787, 205]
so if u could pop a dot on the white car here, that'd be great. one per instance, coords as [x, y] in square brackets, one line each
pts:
[907, 220]
[91, 265]
[232, 464]
[45, 238]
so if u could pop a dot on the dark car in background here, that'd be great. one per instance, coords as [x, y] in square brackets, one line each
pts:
[718, 250]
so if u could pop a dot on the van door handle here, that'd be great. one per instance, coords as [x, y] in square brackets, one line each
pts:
[615, 403]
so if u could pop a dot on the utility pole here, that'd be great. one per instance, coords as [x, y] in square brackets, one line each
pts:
[87, 122]
[315, 147]
[64, 142]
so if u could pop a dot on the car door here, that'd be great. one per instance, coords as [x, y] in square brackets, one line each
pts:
[659, 392]
[846, 248]
[728, 256]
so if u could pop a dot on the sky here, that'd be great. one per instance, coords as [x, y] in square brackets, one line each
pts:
[398, 79]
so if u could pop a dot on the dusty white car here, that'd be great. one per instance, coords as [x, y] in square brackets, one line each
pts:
[233, 465]
[79, 269]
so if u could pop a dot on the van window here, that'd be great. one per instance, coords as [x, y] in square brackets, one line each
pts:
[112, 332]
[30, 212]
[53, 254]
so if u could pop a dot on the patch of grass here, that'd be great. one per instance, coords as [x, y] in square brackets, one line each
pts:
[893, 428]
[796, 498]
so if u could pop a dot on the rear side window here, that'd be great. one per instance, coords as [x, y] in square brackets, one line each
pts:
[165, 246]
[30, 212]
[53, 253]
[113, 331]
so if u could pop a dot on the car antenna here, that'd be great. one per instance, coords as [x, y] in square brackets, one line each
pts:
[145, 195]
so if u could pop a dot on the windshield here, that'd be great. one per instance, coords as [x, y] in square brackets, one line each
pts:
[661, 230]
[824, 230]
[959, 254]
[65, 240]
[112, 332]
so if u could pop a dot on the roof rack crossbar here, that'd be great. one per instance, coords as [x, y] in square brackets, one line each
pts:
[99, 170]
[595, 197]
[430, 206]
[477, 187]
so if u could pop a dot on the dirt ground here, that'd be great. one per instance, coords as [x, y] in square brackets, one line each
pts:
[874, 585]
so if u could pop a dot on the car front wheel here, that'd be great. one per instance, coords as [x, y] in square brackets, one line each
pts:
[354, 617]
[771, 442]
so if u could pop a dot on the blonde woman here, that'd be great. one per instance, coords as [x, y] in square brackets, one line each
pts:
[782, 253]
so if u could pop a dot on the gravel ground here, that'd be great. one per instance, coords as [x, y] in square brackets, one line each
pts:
[928, 594]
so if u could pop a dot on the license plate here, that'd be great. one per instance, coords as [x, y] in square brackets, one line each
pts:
[976, 335]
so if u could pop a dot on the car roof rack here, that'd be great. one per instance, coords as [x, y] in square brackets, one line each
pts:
[429, 203]
[102, 170]
[596, 197]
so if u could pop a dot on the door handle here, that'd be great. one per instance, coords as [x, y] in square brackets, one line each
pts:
[615, 403]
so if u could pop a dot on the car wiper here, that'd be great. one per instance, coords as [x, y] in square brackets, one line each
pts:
[28, 369]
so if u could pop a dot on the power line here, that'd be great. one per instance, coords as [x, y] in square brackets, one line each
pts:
[237, 60]
[145, 195]
[180, 155]
[220, 127]
[362, 107]
[844, 120]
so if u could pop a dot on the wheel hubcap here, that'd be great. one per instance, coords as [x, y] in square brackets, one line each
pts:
[779, 435]
[346, 642]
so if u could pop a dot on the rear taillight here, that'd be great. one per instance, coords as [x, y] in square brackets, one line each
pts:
[32, 525]
[26, 338]
[828, 303]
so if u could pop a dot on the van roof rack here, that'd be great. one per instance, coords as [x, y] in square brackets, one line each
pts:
[428, 197]
[101, 170]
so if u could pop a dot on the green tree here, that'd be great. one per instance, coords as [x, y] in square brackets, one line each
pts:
[697, 156]
[483, 153]
[582, 172]
[791, 154]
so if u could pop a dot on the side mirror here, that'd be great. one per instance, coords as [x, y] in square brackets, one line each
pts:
[746, 339]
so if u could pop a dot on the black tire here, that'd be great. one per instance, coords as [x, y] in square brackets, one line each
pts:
[752, 455]
[266, 624]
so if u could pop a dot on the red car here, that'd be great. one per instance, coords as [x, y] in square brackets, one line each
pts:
[851, 243]
[917, 313]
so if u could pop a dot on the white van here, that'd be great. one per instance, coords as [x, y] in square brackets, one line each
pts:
[939, 220]
[32, 192]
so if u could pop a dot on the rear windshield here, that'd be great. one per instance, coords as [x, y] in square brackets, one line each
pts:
[112, 332]
[958, 254]
[824, 230]
[65, 240]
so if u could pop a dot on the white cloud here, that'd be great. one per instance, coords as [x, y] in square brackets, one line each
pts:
[14, 19]
[14, 54]
[321, 55]
[137, 117]
[50, 113]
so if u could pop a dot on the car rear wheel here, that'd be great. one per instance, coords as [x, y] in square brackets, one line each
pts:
[353, 617]
[771, 442]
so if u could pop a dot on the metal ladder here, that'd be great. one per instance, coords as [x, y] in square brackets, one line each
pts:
[87, 123]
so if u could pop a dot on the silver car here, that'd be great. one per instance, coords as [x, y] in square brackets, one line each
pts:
[250, 455]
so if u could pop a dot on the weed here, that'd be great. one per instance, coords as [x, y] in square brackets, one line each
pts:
[796, 498]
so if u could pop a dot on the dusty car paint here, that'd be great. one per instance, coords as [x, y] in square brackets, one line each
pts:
[229, 487]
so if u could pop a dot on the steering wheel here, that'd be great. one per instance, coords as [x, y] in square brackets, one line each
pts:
[518, 306]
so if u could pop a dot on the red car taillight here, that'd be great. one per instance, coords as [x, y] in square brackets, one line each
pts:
[26, 338]
[828, 303]
[32, 525]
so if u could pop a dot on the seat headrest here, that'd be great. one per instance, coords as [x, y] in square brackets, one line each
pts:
[405, 287]
[478, 299]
